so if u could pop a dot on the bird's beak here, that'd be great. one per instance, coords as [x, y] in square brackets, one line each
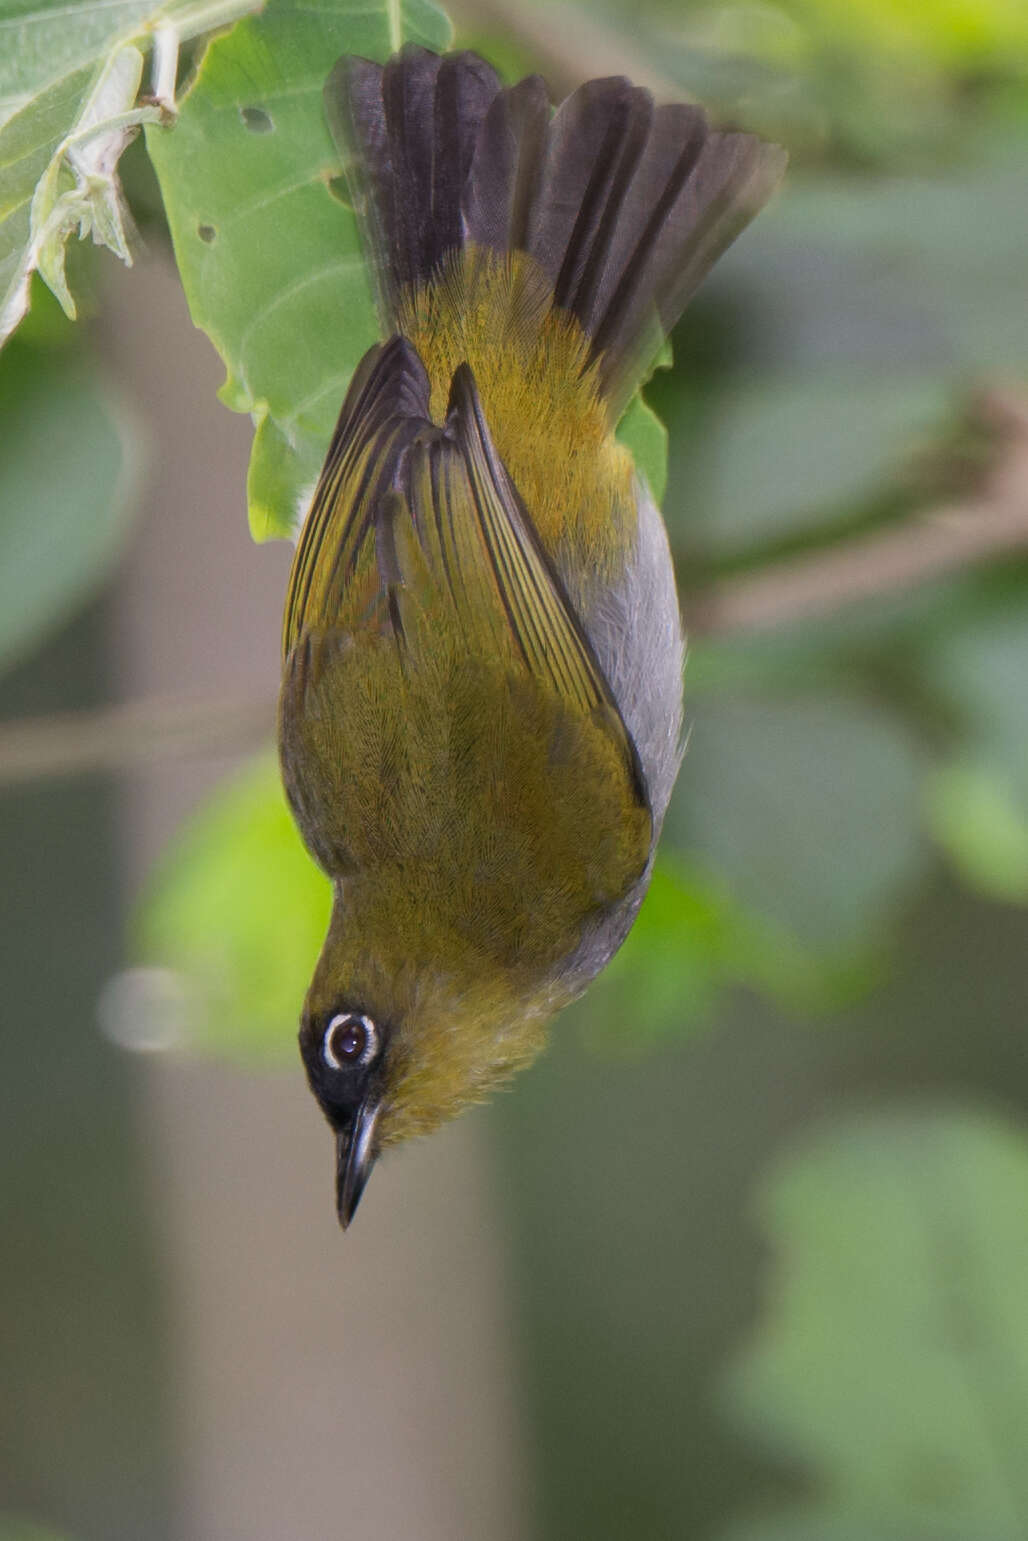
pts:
[354, 1159]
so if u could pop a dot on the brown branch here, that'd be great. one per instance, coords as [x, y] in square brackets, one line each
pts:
[932, 545]
[950, 539]
[115, 738]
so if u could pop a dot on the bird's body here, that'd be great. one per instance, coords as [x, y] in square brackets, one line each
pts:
[481, 707]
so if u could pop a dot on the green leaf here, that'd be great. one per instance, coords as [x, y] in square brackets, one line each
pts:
[892, 1364]
[978, 819]
[868, 81]
[69, 469]
[239, 911]
[977, 803]
[268, 255]
[642, 431]
[807, 810]
[964, 34]
[691, 941]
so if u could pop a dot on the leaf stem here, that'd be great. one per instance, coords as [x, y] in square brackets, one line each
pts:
[394, 10]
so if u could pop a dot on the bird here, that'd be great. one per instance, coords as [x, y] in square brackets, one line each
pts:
[480, 716]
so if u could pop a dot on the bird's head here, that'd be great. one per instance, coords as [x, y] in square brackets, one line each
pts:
[400, 1032]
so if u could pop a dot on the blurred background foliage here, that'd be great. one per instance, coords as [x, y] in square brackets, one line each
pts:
[823, 386]
[844, 867]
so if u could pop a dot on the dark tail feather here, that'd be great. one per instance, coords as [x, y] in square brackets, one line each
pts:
[503, 183]
[625, 206]
[407, 132]
[695, 190]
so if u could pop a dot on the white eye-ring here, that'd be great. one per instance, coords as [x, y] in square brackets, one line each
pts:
[350, 1039]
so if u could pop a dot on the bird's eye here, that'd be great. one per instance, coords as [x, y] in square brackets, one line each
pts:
[350, 1039]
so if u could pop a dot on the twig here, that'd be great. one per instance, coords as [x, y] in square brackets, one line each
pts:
[115, 738]
[945, 540]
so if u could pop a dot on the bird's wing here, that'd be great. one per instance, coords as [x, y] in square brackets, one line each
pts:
[385, 410]
[411, 520]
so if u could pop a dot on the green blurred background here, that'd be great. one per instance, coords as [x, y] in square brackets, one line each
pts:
[743, 1257]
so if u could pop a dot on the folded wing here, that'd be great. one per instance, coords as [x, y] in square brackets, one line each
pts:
[411, 520]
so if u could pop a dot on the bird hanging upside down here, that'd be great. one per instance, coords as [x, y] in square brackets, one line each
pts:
[481, 709]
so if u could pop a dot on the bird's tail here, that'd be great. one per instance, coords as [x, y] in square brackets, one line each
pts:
[622, 205]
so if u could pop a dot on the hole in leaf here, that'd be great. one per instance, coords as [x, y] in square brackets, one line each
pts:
[256, 120]
[206, 233]
[339, 190]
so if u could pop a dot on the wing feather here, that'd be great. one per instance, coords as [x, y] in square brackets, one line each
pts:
[409, 513]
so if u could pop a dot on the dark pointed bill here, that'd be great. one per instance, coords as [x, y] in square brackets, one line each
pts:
[354, 1159]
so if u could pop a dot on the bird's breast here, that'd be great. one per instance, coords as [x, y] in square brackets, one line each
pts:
[470, 794]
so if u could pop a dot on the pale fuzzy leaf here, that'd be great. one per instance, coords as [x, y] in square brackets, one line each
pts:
[90, 154]
[44, 41]
[28, 144]
[67, 112]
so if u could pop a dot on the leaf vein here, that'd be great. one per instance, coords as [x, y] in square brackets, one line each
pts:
[41, 18]
[289, 293]
[330, 384]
